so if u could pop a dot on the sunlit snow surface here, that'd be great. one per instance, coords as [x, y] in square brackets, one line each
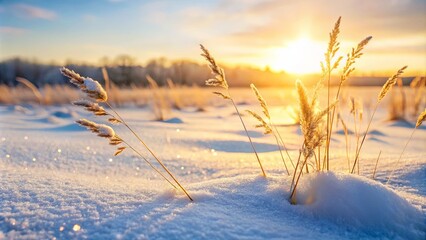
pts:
[58, 180]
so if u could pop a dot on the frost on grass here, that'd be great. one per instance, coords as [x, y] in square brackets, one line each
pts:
[360, 203]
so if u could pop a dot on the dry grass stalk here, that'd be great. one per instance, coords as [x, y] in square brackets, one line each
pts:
[95, 91]
[398, 103]
[385, 89]
[174, 95]
[266, 128]
[419, 86]
[91, 107]
[159, 103]
[419, 122]
[348, 68]
[345, 130]
[219, 80]
[377, 162]
[269, 127]
[327, 68]
[109, 86]
[356, 109]
[33, 88]
[389, 83]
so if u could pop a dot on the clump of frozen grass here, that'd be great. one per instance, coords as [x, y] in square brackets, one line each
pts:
[268, 127]
[96, 92]
[220, 81]
[312, 126]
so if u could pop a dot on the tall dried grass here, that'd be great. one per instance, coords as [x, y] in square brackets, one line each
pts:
[330, 63]
[312, 126]
[347, 70]
[220, 81]
[96, 93]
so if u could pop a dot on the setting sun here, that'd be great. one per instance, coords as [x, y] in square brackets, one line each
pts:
[301, 56]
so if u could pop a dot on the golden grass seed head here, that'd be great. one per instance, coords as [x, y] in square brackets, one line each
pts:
[421, 118]
[261, 101]
[263, 124]
[389, 83]
[219, 74]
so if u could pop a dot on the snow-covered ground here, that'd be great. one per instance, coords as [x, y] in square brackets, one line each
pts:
[58, 180]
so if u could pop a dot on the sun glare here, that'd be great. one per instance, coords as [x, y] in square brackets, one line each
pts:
[301, 56]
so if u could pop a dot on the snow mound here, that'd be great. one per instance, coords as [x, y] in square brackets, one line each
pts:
[361, 203]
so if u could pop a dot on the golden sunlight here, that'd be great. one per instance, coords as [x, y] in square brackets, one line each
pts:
[301, 56]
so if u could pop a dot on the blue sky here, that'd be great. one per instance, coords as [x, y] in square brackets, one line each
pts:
[257, 33]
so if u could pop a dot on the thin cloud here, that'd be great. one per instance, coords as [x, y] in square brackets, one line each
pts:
[281, 20]
[12, 31]
[32, 12]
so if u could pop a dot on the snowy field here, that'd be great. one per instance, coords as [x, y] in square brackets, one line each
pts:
[59, 181]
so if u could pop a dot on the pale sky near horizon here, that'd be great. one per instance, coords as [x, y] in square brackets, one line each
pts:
[289, 35]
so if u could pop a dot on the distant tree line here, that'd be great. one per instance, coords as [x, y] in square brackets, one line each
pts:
[124, 72]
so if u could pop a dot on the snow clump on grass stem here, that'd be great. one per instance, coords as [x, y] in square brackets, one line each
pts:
[91, 87]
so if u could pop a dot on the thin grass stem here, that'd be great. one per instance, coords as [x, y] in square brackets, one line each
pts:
[295, 171]
[150, 151]
[148, 162]
[400, 156]
[363, 138]
[245, 129]
[281, 153]
[282, 142]
[377, 162]
[293, 192]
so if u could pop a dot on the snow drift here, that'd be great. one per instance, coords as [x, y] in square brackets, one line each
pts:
[360, 203]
